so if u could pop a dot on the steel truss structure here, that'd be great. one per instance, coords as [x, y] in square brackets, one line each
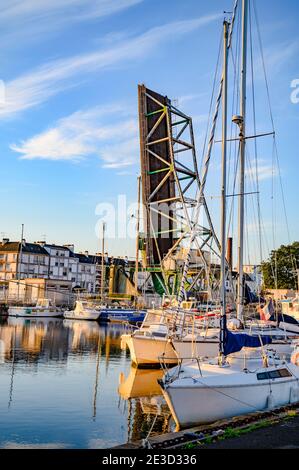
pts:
[170, 187]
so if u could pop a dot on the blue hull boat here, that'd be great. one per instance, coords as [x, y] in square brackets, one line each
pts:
[119, 315]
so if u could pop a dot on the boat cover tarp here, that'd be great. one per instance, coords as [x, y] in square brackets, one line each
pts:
[234, 342]
[249, 296]
[284, 318]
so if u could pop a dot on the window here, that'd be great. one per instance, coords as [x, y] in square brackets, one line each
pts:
[273, 374]
[284, 373]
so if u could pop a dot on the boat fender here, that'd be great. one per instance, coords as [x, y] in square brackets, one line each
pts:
[234, 324]
[121, 378]
[270, 401]
[123, 344]
[295, 358]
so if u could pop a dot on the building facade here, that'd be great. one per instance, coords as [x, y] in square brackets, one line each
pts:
[46, 261]
[22, 260]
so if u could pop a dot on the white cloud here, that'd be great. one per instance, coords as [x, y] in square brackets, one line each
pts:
[121, 155]
[35, 9]
[276, 57]
[108, 132]
[37, 86]
[264, 169]
[191, 98]
[32, 18]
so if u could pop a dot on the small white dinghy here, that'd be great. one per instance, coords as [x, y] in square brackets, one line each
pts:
[43, 308]
[83, 311]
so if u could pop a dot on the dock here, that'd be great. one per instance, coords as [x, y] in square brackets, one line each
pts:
[221, 433]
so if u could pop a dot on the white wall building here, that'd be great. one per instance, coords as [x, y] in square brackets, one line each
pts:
[22, 260]
[46, 261]
[67, 265]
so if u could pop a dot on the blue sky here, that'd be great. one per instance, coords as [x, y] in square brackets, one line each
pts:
[69, 131]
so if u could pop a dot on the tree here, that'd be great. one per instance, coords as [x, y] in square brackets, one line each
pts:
[280, 270]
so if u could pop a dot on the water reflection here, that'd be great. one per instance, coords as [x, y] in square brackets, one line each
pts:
[147, 410]
[68, 382]
[139, 383]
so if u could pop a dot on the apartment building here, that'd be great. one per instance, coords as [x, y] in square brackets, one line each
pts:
[46, 261]
[20, 260]
[67, 265]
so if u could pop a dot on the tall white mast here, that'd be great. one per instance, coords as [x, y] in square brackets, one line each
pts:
[103, 268]
[241, 123]
[223, 191]
[19, 261]
[137, 239]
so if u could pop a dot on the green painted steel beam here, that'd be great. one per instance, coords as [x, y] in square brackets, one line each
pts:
[186, 177]
[156, 112]
[159, 171]
[179, 122]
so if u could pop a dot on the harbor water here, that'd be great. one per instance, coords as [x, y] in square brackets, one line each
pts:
[68, 384]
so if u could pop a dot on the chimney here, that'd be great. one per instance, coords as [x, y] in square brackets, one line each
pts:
[71, 247]
[86, 253]
[5, 240]
[229, 252]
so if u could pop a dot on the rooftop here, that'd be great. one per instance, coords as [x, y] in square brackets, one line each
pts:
[15, 247]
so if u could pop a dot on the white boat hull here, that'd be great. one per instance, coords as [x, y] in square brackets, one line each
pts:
[205, 402]
[289, 327]
[72, 315]
[149, 351]
[32, 312]
[146, 351]
[189, 348]
[210, 348]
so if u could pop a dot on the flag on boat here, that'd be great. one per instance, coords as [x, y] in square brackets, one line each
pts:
[234, 342]
[267, 311]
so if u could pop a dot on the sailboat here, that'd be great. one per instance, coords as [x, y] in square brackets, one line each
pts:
[83, 310]
[163, 338]
[203, 392]
[43, 308]
[209, 392]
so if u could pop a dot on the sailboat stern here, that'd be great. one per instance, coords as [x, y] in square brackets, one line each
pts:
[149, 351]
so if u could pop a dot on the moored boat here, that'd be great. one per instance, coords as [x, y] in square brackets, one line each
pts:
[213, 392]
[43, 308]
[119, 315]
[83, 311]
